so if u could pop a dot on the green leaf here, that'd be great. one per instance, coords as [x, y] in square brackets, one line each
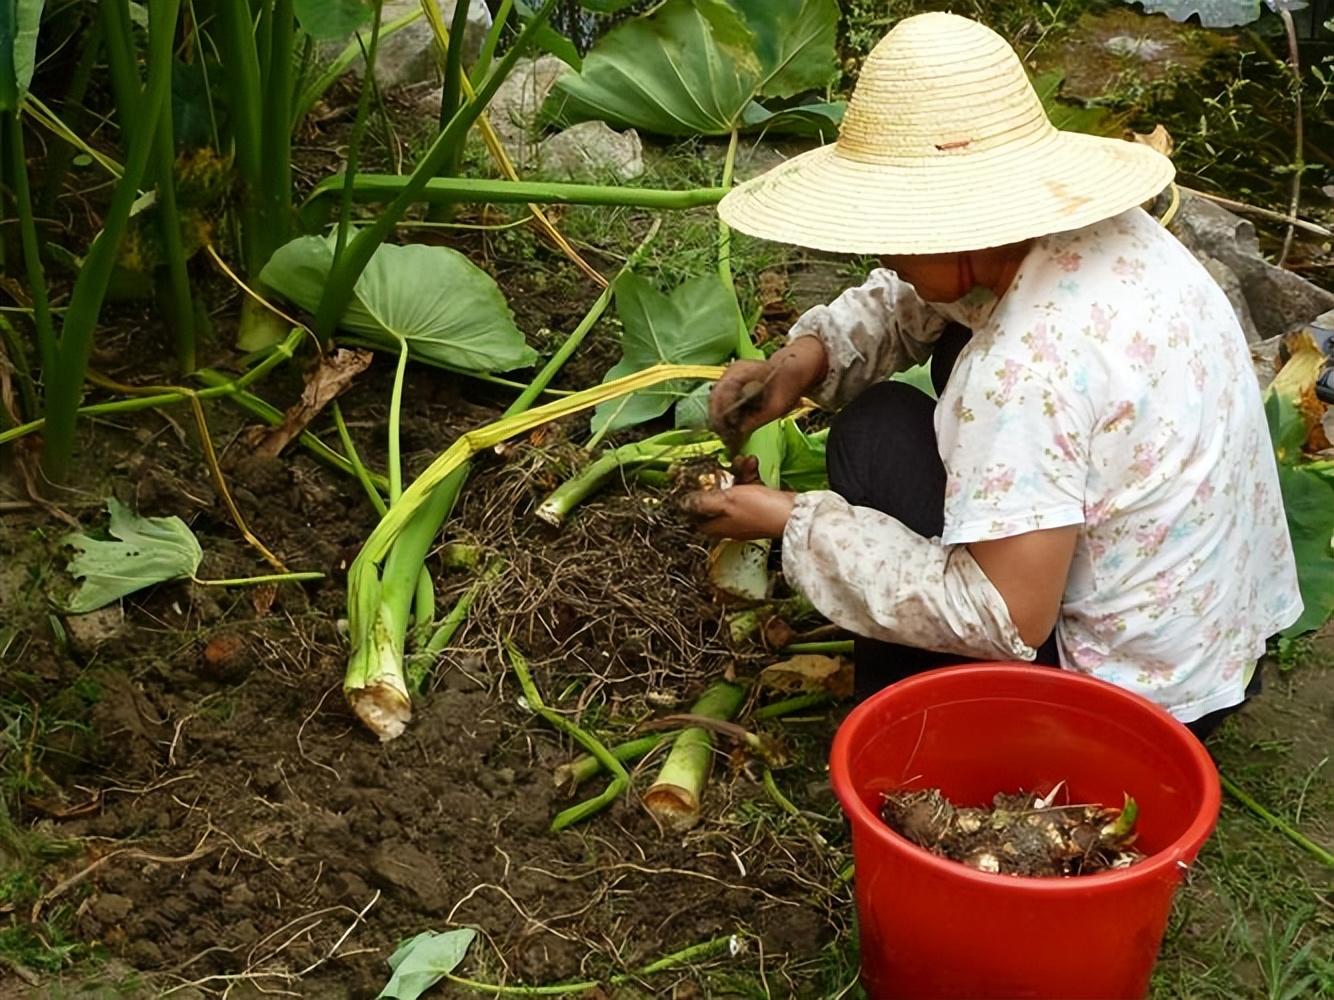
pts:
[694, 67]
[422, 961]
[1287, 427]
[803, 459]
[1213, 13]
[448, 310]
[549, 40]
[1308, 499]
[331, 20]
[147, 550]
[695, 325]
[692, 410]
[19, 21]
[820, 119]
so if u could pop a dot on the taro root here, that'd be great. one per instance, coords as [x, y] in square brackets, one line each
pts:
[1018, 834]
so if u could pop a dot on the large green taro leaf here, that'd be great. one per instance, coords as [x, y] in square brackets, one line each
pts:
[695, 67]
[695, 325]
[450, 312]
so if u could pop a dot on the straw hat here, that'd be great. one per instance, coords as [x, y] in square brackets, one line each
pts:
[945, 147]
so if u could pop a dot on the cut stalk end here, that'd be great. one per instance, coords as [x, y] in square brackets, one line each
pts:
[551, 514]
[385, 710]
[674, 807]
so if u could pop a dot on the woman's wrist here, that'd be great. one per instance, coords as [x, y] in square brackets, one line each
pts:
[801, 365]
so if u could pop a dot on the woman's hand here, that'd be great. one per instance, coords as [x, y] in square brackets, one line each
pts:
[753, 393]
[742, 512]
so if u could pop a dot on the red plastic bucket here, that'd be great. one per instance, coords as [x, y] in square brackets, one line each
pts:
[931, 928]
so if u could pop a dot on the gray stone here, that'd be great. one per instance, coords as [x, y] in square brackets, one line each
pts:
[409, 55]
[88, 631]
[1277, 301]
[1231, 285]
[592, 151]
[515, 108]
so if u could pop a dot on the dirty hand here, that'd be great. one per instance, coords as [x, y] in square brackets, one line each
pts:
[753, 393]
[744, 512]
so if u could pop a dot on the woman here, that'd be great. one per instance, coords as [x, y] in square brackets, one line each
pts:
[1095, 488]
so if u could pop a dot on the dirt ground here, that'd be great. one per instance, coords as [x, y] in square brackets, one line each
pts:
[222, 826]
[237, 829]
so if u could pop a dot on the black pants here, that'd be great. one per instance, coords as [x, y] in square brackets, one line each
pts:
[882, 454]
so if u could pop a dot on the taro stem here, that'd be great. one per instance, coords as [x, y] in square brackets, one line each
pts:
[674, 799]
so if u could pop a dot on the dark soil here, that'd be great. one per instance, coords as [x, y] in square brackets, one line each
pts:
[1018, 834]
[235, 825]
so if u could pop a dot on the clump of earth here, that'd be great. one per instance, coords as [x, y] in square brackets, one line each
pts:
[1018, 834]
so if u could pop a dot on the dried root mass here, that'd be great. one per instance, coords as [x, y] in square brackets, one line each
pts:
[1018, 834]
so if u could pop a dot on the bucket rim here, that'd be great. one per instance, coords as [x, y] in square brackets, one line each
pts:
[1176, 856]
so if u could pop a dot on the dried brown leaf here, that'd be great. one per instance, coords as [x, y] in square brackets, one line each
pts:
[334, 374]
[809, 672]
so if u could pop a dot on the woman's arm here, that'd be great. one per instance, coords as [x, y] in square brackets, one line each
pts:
[833, 352]
[869, 332]
[868, 573]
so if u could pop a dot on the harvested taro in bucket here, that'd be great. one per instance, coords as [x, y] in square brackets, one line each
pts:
[1018, 834]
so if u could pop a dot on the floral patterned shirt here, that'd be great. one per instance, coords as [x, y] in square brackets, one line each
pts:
[1111, 387]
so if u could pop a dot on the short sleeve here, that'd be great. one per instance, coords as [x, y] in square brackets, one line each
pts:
[1015, 446]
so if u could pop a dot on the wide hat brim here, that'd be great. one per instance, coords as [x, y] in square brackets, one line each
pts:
[1063, 181]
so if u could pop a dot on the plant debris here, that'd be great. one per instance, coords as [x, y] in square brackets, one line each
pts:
[1018, 834]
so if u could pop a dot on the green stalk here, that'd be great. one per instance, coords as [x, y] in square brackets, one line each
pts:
[740, 569]
[695, 953]
[381, 188]
[451, 93]
[1308, 845]
[255, 581]
[65, 380]
[118, 34]
[837, 647]
[354, 458]
[179, 298]
[275, 192]
[358, 135]
[32, 252]
[570, 776]
[219, 385]
[395, 415]
[674, 799]
[354, 50]
[675, 445]
[790, 706]
[492, 39]
[239, 50]
[567, 777]
[419, 665]
[379, 598]
[620, 777]
[343, 275]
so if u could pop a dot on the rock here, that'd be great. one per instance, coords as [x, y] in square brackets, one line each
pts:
[88, 631]
[1276, 300]
[592, 151]
[1231, 285]
[514, 109]
[409, 55]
